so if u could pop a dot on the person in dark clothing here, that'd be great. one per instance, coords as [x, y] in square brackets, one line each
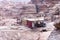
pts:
[40, 24]
[37, 24]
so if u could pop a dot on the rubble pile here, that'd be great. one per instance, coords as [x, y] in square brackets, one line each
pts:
[57, 25]
[7, 21]
[14, 10]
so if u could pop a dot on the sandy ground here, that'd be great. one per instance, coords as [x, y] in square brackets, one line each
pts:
[24, 33]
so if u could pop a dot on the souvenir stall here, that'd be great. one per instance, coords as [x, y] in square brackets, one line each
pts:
[29, 22]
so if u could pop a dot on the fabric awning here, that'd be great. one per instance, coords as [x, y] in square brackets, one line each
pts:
[34, 19]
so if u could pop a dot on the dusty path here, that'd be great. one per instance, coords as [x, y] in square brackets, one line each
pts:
[25, 33]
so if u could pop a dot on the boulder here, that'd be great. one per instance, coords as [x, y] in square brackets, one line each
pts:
[57, 25]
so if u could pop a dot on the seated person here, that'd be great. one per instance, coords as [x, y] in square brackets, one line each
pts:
[40, 24]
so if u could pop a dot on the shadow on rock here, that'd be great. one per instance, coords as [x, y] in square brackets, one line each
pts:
[55, 35]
